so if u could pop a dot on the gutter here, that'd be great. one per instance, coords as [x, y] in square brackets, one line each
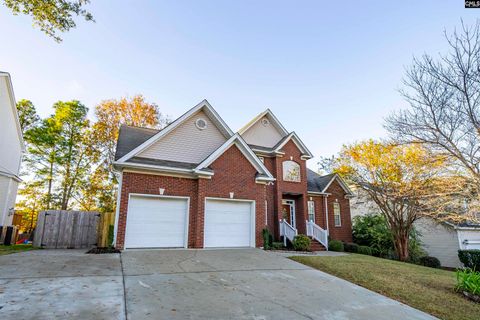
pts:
[10, 175]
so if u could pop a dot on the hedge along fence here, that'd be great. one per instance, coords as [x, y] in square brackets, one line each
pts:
[105, 229]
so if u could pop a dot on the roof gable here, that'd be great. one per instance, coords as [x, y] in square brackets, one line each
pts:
[264, 130]
[301, 146]
[319, 184]
[187, 143]
[130, 137]
[237, 140]
[203, 106]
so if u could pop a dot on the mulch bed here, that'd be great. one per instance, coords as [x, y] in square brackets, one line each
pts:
[103, 250]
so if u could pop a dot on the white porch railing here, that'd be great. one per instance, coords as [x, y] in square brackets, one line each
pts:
[317, 233]
[287, 231]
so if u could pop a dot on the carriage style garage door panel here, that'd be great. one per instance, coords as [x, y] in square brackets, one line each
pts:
[229, 223]
[156, 222]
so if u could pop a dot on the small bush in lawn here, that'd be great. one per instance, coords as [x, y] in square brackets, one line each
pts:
[335, 245]
[365, 250]
[428, 261]
[301, 243]
[468, 280]
[277, 245]
[470, 259]
[350, 247]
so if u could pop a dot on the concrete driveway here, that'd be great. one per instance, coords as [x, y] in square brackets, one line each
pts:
[181, 284]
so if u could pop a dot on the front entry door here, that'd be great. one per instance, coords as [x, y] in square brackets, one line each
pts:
[288, 211]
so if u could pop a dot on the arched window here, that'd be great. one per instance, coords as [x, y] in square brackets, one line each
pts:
[291, 171]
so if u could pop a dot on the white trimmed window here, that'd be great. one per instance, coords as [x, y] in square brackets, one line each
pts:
[311, 211]
[336, 214]
[291, 171]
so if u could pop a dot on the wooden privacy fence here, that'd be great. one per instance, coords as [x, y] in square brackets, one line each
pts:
[107, 219]
[62, 229]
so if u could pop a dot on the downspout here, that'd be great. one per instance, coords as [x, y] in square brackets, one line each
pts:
[117, 210]
[326, 214]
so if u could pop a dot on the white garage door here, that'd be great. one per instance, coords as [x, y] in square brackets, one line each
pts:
[228, 224]
[154, 222]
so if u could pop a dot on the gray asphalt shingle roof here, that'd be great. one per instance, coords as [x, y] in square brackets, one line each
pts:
[131, 137]
[316, 182]
[162, 163]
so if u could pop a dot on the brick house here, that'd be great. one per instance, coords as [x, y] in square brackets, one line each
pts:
[197, 184]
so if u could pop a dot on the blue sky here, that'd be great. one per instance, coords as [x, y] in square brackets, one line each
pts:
[329, 70]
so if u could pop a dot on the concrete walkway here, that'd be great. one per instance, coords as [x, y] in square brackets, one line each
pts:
[181, 284]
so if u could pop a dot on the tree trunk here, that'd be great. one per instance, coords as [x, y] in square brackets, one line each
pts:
[50, 179]
[400, 242]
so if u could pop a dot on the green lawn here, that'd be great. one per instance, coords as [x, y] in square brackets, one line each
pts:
[427, 289]
[15, 248]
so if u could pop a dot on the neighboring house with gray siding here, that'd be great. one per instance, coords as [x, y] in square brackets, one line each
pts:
[11, 149]
[361, 204]
[439, 239]
[443, 239]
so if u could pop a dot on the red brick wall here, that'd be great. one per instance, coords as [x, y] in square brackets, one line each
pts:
[294, 154]
[271, 191]
[319, 210]
[233, 173]
[150, 184]
[344, 232]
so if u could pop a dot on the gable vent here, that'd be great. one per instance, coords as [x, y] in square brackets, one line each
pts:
[201, 124]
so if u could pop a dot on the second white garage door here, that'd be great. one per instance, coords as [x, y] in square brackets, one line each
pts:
[156, 222]
[229, 223]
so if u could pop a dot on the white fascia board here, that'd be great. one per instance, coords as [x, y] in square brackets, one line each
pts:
[277, 122]
[265, 179]
[151, 167]
[203, 173]
[294, 137]
[219, 119]
[10, 175]
[243, 129]
[467, 228]
[342, 184]
[13, 104]
[244, 148]
[329, 183]
[267, 153]
[314, 193]
[172, 126]
[268, 113]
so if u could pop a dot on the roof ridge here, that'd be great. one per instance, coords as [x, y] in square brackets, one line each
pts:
[138, 127]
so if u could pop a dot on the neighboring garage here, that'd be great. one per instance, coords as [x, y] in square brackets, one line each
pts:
[156, 222]
[229, 223]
